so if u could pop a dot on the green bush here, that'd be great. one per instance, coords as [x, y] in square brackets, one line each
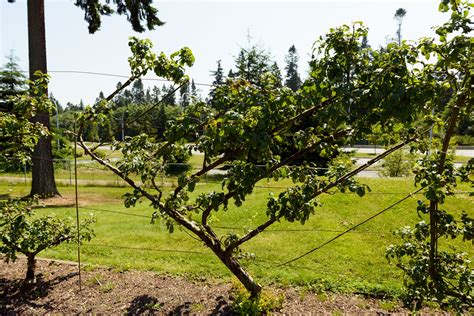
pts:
[398, 164]
[176, 169]
[23, 232]
[465, 140]
[265, 303]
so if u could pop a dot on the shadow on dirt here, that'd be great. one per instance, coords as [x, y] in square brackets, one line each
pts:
[16, 296]
[149, 305]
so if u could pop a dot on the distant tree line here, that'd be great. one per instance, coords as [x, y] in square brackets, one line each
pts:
[253, 64]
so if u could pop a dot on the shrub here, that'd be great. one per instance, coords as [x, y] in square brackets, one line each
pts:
[398, 164]
[465, 140]
[23, 232]
[266, 302]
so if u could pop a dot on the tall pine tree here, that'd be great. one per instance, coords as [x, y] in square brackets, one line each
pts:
[184, 95]
[398, 16]
[252, 63]
[137, 12]
[12, 80]
[292, 79]
[219, 79]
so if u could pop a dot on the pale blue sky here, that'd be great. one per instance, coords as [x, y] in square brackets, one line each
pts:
[212, 29]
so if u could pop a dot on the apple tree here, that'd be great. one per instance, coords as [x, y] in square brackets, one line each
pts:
[351, 91]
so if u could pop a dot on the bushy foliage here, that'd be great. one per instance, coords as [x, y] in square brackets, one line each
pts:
[22, 231]
[18, 134]
[351, 93]
[398, 164]
[434, 270]
[454, 285]
[263, 304]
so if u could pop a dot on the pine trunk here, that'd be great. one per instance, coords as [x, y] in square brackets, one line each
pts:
[43, 183]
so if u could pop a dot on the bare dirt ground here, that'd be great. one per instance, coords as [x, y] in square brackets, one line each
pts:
[106, 291]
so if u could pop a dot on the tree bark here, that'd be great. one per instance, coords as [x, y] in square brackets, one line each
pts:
[235, 267]
[30, 268]
[433, 250]
[43, 183]
[253, 287]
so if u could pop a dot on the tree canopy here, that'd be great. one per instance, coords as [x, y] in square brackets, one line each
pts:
[137, 13]
[352, 91]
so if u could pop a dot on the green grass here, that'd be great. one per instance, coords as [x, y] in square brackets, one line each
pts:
[354, 262]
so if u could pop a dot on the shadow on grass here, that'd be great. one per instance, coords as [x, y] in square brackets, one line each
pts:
[15, 295]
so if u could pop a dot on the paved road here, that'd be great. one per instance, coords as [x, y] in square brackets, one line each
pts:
[466, 152]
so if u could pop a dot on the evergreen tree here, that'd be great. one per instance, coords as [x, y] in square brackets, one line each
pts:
[231, 74]
[275, 70]
[12, 81]
[160, 122]
[168, 96]
[100, 97]
[57, 106]
[292, 80]
[218, 75]
[219, 78]
[138, 92]
[156, 95]
[364, 43]
[185, 97]
[148, 98]
[194, 92]
[252, 63]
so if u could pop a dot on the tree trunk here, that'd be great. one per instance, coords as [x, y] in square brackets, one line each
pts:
[231, 263]
[236, 268]
[30, 268]
[253, 287]
[43, 182]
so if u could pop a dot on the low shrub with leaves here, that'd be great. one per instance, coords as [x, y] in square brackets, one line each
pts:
[399, 164]
[264, 303]
[454, 282]
[23, 232]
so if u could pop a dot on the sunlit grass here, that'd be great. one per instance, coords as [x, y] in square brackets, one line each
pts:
[354, 262]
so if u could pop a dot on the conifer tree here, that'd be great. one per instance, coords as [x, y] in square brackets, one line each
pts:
[252, 63]
[398, 16]
[169, 98]
[138, 93]
[275, 70]
[12, 81]
[137, 12]
[194, 92]
[292, 80]
[184, 93]
[219, 78]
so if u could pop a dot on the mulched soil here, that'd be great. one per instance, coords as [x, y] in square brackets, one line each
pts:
[106, 291]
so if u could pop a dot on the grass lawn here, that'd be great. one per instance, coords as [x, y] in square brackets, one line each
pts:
[353, 263]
